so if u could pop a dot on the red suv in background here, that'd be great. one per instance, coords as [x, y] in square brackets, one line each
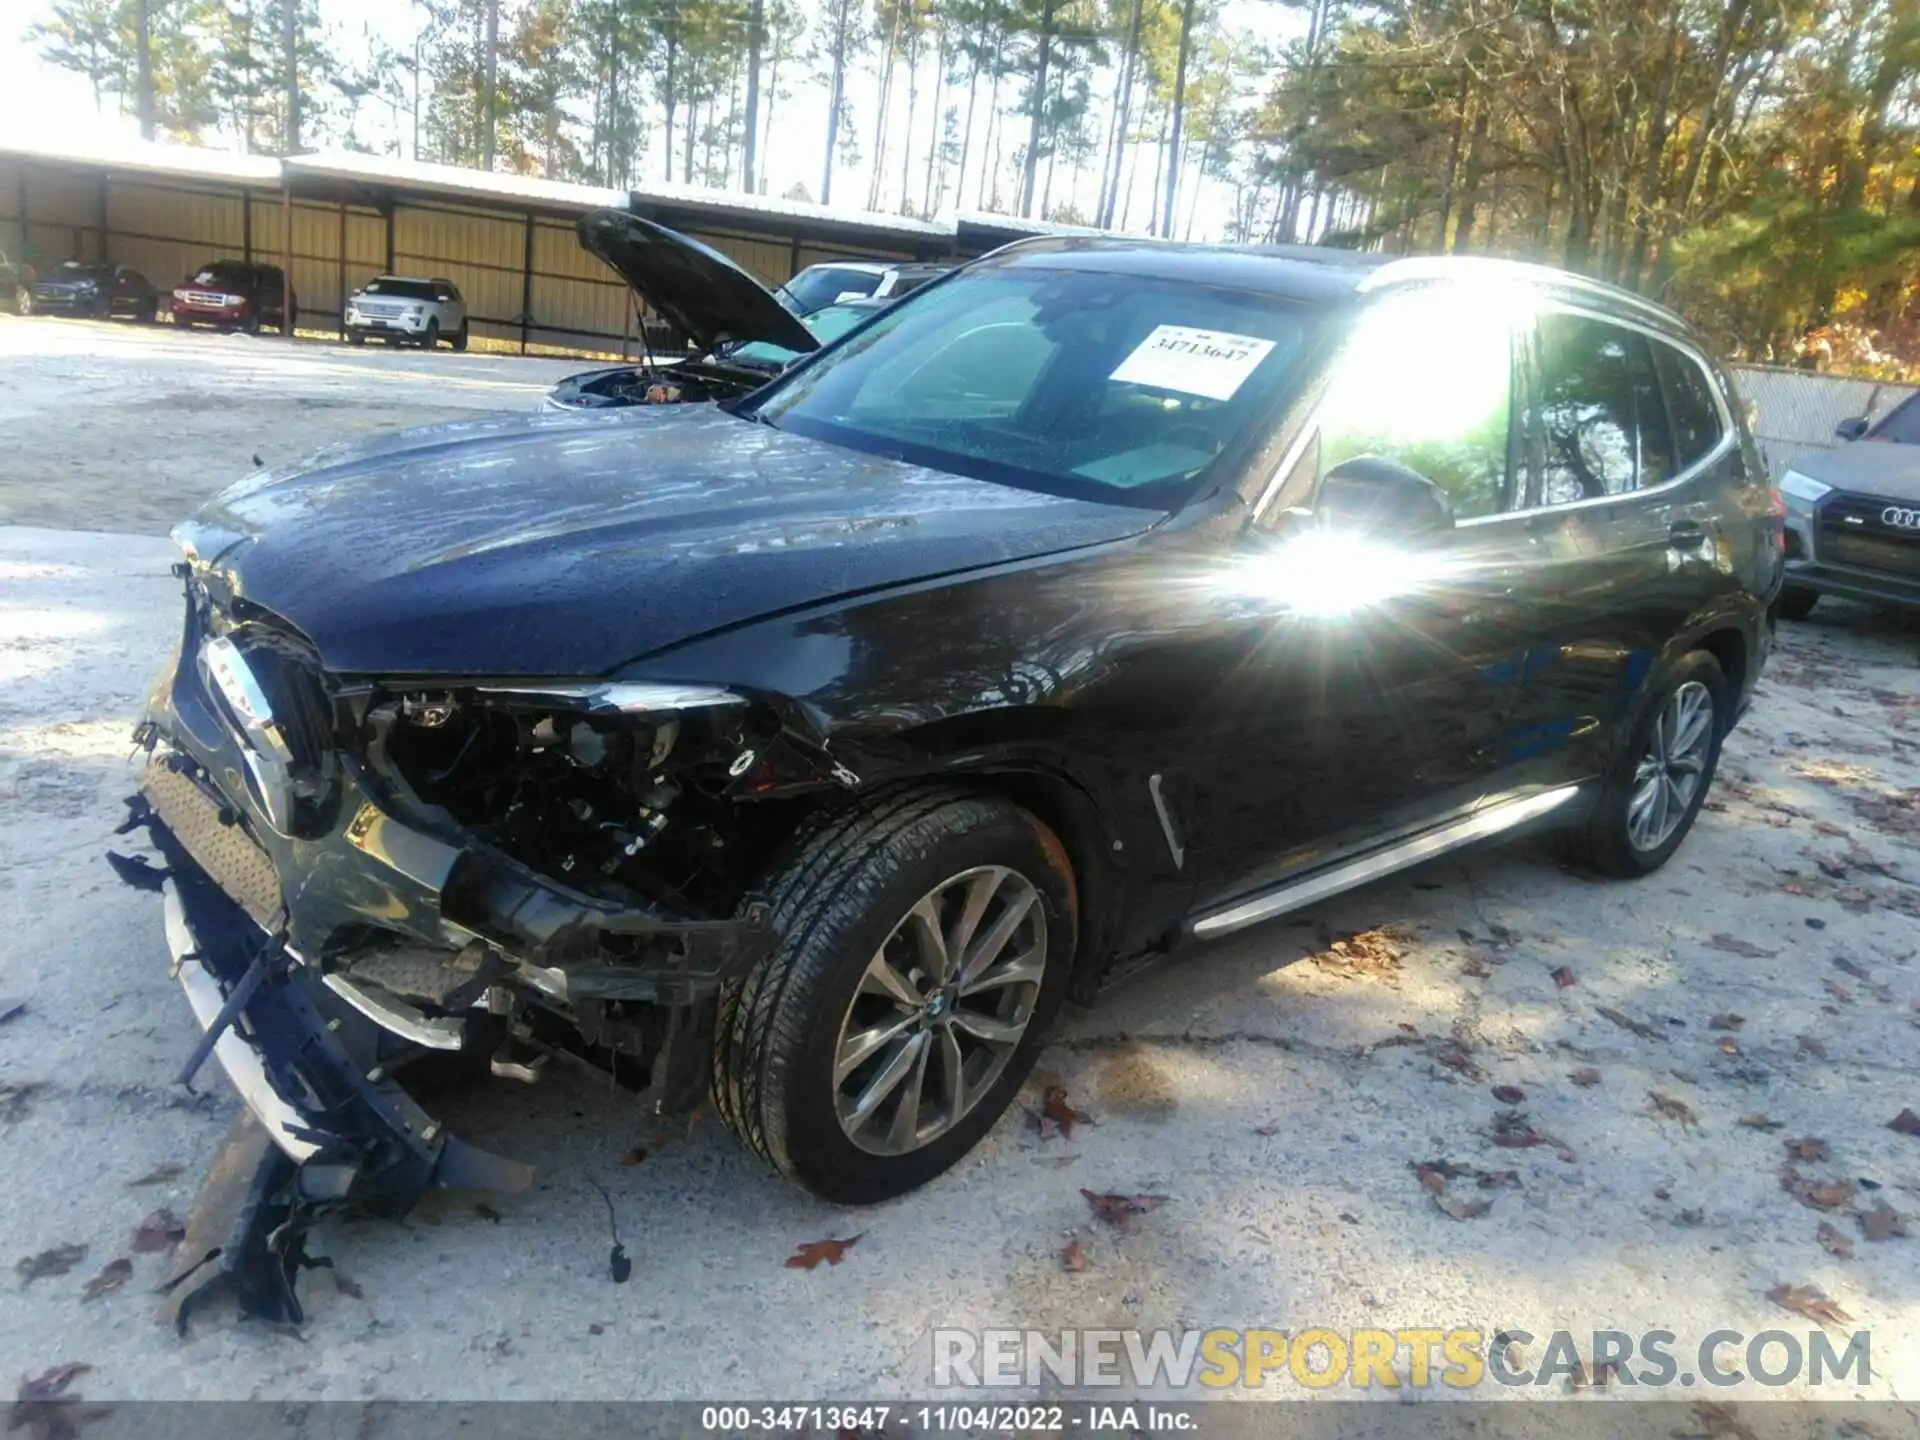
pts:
[233, 293]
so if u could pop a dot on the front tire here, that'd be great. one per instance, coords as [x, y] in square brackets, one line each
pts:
[460, 337]
[356, 337]
[924, 949]
[430, 337]
[1797, 602]
[1662, 775]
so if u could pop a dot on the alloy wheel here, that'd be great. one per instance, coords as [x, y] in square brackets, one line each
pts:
[940, 1010]
[1667, 778]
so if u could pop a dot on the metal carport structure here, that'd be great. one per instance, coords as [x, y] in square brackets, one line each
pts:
[334, 219]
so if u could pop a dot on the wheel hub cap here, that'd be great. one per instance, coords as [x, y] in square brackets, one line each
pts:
[1667, 779]
[940, 1010]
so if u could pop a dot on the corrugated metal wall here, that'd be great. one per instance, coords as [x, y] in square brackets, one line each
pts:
[166, 228]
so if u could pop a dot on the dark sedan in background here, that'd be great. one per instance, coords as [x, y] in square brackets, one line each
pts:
[94, 288]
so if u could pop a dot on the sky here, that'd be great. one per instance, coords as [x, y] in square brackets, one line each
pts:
[33, 92]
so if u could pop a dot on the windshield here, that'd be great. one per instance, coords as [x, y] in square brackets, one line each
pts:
[819, 286]
[403, 289]
[1115, 388]
[221, 273]
[826, 326]
[1901, 426]
[80, 269]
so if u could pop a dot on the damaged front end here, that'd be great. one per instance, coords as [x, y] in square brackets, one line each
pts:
[359, 873]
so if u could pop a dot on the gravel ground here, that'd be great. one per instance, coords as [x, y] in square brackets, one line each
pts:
[1278, 1088]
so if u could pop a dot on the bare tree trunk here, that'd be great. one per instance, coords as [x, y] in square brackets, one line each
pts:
[756, 27]
[886, 103]
[837, 96]
[490, 85]
[934, 145]
[143, 65]
[1470, 184]
[1128, 68]
[670, 99]
[290, 38]
[1179, 113]
[966, 133]
[913, 107]
[1038, 109]
[995, 128]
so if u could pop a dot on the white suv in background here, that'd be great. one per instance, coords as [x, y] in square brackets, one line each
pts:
[407, 307]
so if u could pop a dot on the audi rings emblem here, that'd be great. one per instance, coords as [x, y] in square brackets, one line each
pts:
[1901, 517]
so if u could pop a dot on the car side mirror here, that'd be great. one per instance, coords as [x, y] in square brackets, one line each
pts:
[1370, 493]
[1851, 428]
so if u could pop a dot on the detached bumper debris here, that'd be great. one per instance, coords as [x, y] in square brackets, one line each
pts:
[326, 1129]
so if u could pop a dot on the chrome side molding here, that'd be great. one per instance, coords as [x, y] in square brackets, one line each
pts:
[1347, 875]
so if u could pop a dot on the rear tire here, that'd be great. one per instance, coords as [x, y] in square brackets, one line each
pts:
[1796, 602]
[1636, 825]
[845, 900]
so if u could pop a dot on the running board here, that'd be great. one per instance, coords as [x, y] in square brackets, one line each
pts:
[1351, 873]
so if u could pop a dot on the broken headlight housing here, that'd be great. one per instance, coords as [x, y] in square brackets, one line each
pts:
[615, 789]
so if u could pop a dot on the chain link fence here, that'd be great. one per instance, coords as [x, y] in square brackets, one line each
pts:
[1794, 411]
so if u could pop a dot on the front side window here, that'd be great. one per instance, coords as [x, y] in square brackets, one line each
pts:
[1426, 380]
[1696, 419]
[1601, 416]
[1072, 381]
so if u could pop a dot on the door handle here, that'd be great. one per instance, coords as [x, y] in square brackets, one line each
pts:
[1689, 535]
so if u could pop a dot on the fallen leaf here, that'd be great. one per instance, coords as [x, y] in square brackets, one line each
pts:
[1055, 1162]
[57, 1261]
[1859, 972]
[1833, 1242]
[810, 1253]
[1806, 1147]
[159, 1175]
[1509, 1094]
[1809, 1302]
[1586, 1077]
[486, 1212]
[1819, 1194]
[1475, 967]
[1734, 945]
[1726, 1020]
[1062, 1114]
[1693, 1216]
[1838, 991]
[1883, 1222]
[596, 1328]
[633, 1156]
[1512, 1132]
[1759, 1120]
[16, 1099]
[1563, 978]
[1670, 1108]
[1814, 1046]
[159, 1231]
[1728, 1047]
[111, 1277]
[1269, 1131]
[1366, 953]
[349, 1287]
[49, 1385]
[1463, 1209]
[1627, 1022]
[1906, 1122]
[1431, 1180]
[1118, 1209]
[1074, 1257]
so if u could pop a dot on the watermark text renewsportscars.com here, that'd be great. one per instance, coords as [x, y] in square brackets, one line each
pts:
[1461, 1359]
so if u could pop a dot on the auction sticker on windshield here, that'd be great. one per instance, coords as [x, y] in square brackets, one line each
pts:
[1210, 363]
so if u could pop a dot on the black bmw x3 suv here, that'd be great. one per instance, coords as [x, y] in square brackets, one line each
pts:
[808, 750]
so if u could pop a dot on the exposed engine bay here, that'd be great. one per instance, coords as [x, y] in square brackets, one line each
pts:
[690, 382]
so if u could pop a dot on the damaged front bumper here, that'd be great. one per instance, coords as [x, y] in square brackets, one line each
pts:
[319, 958]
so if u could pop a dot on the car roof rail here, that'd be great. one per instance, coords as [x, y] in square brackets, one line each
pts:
[1414, 268]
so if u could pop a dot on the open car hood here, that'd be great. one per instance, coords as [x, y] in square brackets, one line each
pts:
[702, 293]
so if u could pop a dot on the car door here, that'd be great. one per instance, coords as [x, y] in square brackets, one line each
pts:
[1625, 537]
[1378, 677]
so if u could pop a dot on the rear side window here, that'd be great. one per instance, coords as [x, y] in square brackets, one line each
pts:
[1427, 381]
[1601, 416]
[1696, 419]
